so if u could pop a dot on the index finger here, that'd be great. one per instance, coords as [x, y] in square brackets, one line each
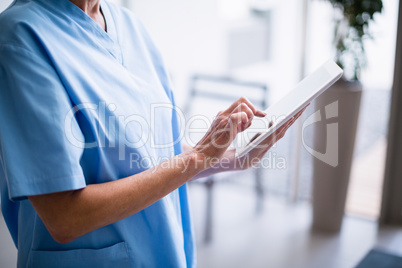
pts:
[248, 103]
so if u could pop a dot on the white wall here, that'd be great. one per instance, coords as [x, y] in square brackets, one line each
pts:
[188, 33]
[192, 37]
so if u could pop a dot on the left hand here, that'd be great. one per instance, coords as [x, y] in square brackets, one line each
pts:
[256, 154]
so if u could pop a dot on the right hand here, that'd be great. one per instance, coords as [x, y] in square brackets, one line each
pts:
[224, 129]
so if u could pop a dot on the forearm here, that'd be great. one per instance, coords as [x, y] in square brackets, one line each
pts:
[228, 162]
[69, 215]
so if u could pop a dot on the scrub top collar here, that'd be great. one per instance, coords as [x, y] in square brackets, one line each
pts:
[109, 40]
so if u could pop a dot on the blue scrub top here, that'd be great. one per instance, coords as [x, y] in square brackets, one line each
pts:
[81, 106]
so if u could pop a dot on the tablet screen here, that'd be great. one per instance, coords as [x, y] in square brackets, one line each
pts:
[304, 92]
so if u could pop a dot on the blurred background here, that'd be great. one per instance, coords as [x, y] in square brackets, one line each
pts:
[219, 50]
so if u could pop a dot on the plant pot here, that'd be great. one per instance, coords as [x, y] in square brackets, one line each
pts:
[334, 140]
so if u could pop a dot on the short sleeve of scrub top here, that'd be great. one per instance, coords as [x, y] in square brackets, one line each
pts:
[82, 106]
[33, 109]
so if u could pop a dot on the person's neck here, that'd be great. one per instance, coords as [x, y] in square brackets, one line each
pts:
[91, 8]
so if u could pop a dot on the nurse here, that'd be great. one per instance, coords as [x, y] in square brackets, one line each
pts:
[91, 175]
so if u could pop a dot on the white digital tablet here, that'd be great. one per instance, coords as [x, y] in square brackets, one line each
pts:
[280, 112]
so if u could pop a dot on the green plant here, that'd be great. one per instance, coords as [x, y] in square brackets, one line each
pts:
[351, 29]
